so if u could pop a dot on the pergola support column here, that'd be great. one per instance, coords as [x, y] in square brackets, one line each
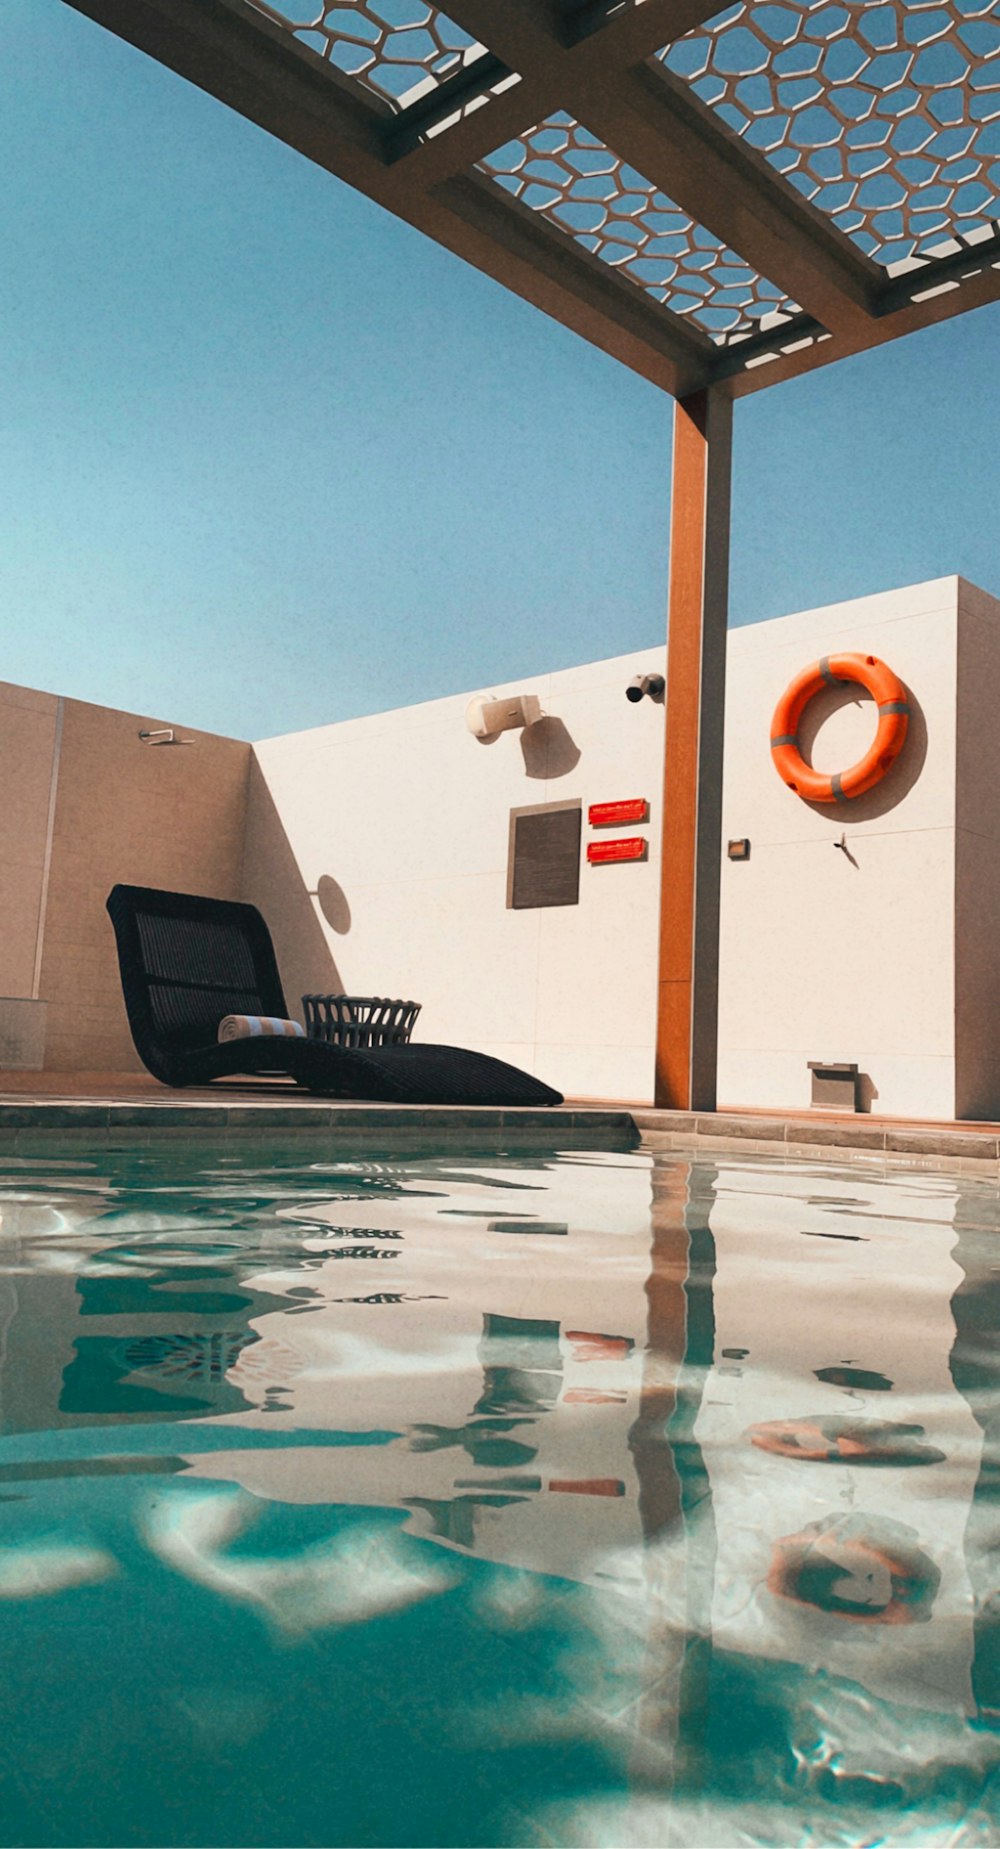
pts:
[688, 976]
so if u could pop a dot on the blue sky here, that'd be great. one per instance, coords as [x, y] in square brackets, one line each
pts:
[271, 458]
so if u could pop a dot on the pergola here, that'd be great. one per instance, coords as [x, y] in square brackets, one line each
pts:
[720, 200]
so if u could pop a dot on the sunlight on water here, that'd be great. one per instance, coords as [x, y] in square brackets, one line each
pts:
[593, 1499]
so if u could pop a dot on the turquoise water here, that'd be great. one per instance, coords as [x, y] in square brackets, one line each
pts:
[594, 1499]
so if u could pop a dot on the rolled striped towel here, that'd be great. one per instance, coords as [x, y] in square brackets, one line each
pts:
[248, 1026]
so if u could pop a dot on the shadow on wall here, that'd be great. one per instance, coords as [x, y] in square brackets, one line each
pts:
[897, 782]
[333, 903]
[548, 749]
[273, 881]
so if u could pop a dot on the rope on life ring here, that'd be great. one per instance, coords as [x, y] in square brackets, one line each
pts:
[887, 691]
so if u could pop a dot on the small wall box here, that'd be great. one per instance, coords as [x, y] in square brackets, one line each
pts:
[738, 850]
[834, 1085]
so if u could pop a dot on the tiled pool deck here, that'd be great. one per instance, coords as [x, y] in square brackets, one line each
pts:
[112, 1104]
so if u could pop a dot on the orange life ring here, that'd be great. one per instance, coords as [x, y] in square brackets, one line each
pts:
[887, 691]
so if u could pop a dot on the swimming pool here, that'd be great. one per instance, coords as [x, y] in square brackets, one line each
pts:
[583, 1499]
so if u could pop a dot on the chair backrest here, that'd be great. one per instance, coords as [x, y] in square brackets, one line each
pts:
[186, 962]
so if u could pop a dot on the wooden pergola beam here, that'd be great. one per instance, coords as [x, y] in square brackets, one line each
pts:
[726, 187]
[924, 298]
[239, 57]
[649, 119]
[599, 74]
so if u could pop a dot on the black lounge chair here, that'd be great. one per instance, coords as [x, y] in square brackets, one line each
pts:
[187, 962]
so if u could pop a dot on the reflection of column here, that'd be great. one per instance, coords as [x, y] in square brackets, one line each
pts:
[666, 1330]
[975, 1369]
[674, 1494]
[8, 1311]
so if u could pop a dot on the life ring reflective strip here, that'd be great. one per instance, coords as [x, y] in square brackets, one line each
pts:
[887, 691]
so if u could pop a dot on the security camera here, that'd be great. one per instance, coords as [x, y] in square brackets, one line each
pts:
[653, 684]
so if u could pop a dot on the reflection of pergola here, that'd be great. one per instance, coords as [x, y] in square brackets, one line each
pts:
[720, 201]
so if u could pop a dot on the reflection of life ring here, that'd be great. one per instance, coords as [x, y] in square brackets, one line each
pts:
[893, 718]
[835, 1440]
[862, 1568]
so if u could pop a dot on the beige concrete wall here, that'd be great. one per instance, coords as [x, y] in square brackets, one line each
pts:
[27, 744]
[977, 856]
[165, 815]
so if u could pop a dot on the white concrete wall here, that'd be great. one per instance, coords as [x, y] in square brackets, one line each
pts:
[378, 851]
[408, 816]
[825, 956]
[977, 856]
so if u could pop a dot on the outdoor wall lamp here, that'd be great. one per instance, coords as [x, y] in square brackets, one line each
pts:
[486, 718]
[164, 737]
[651, 684]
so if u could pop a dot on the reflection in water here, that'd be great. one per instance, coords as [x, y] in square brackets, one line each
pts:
[479, 1440]
[840, 1440]
[615, 1500]
[521, 1361]
[975, 1368]
[37, 1571]
[349, 1580]
[862, 1380]
[861, 1567]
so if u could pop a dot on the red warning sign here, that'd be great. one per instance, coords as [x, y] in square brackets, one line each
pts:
[615, 815]
[624, 847]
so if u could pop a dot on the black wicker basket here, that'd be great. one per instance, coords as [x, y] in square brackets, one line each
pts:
[359, 1020]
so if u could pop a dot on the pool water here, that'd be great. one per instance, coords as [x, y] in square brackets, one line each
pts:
[567, 1500]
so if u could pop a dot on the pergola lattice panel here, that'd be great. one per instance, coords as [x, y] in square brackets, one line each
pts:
[727, 204]
[400, 49]
[571, 178]
[886, 116]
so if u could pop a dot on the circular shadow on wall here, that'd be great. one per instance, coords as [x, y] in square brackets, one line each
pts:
[332, 900]
[897, 782]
